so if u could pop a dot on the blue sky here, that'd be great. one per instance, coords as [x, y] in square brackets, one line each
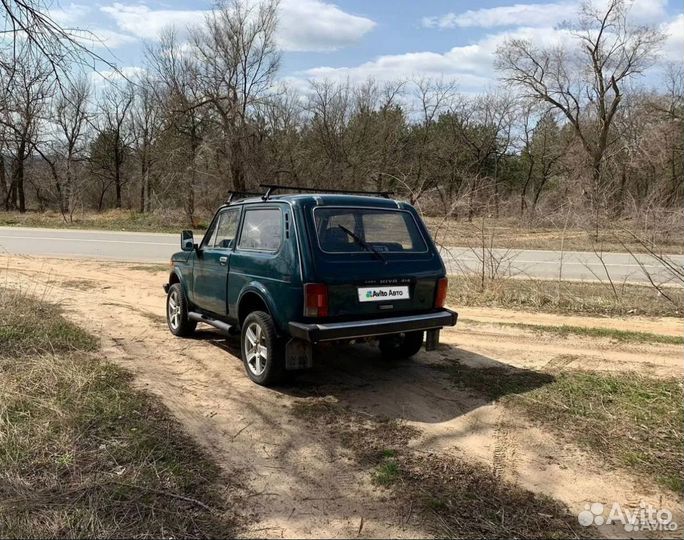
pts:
[383, 39]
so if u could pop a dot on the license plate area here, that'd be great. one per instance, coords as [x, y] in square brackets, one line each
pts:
[384, 293]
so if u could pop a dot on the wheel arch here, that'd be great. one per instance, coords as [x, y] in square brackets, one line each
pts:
[176, 276]
[255, 297]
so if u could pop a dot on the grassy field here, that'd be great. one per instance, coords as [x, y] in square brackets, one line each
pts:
[503, 232]
[83, 454]
[564, 330]
[631, 421]
[577, 298]
[453, 497]
[513, 234]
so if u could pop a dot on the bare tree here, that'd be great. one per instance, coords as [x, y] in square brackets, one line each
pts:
[115, 138]
[433, 98]
[178, 91]
[541, 152]
[28, 26]
[25, 94]
[237, 59]
[146, 126]
[585, 83]
[64, 151]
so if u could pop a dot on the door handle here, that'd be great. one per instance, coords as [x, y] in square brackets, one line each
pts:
[223, 261]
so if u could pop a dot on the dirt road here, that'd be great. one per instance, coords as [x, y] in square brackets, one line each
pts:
[298, 484]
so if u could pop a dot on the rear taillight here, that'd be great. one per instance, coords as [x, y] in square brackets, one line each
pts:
[315, 300]
[440, 297]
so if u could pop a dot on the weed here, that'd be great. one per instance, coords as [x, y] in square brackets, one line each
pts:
[623, 336]
[83, 454]
[567, 298]
[387, 473]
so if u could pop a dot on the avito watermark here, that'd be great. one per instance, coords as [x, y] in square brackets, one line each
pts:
[646, 517]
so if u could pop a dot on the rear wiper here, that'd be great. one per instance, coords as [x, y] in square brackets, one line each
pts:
[363, 244]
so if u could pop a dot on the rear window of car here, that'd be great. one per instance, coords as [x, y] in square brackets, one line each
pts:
[345, 230]
[262, 230]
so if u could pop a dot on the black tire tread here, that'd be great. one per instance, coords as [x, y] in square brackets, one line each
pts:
[186, 327]
[275, 368]
[409, 345]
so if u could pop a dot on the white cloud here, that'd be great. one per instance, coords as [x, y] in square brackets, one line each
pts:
[71, 14]
[146, 23]
[78, 19]
[313, 25]
[305, 25]
[674, 43]
[517, 14]
[103, 37]
[99, 78]
[543, 14]
[471, 66]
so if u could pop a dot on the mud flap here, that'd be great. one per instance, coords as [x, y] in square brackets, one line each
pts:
[298, 354]
[431, 339]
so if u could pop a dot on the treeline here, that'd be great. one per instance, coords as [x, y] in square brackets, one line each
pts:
[567, 129]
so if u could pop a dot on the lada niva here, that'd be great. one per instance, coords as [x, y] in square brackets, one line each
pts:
[291, 271]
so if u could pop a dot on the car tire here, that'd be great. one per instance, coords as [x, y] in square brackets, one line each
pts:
[177, 312]
[262, 350]
[400, 346]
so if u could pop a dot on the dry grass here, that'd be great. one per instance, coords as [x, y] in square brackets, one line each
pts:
[565, 330]
[169, 221]
[569, 297]
[513, 234]
[83, 454]
[30, 326]
[626, 420]
[452, 497]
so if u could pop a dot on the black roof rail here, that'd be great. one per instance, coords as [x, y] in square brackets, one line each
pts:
[233, 195]
[270, 188]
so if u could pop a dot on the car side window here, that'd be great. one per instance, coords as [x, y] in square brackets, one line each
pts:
[209, 236]
[226, 229]
[262, 229]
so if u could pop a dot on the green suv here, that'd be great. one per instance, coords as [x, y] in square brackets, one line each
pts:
[291, 271]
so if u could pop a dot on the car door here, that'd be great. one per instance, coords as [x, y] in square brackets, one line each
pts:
[210, 276]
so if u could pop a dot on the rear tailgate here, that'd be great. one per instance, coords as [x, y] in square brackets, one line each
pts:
[369, 287]
[375, 261]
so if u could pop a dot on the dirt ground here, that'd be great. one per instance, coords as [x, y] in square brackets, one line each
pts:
[298, 484]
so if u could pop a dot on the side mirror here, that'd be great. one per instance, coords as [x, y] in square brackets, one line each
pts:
[187, 241]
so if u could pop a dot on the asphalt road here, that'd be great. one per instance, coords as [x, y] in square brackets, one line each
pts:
[157, 248]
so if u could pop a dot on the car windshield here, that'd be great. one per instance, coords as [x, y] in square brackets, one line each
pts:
[350, 230]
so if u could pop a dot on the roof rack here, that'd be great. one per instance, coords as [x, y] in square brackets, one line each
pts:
[270, 188]
[233, 195]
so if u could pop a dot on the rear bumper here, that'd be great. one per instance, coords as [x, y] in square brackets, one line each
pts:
[317, 332]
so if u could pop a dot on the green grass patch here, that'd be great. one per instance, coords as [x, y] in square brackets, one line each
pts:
[624, 336]
[629, 420]
[151, 268]
[83, 454]
[387, 473]
[568, 297]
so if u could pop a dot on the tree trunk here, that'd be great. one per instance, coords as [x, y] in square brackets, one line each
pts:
[143, 180]
[68, 188]
[18, 194]
[3, 181]
[596, 192]
[237, 165]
